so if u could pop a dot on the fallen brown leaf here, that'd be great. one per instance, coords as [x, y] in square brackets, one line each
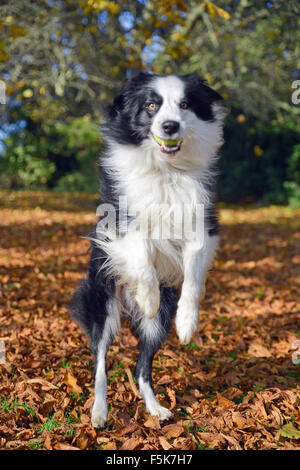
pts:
[71, 382]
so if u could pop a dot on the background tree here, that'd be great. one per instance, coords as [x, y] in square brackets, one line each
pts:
[62, 62]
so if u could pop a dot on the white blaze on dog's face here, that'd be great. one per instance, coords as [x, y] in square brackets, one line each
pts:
[170, 121]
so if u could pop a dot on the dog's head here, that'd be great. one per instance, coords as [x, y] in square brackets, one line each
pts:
[173, 114]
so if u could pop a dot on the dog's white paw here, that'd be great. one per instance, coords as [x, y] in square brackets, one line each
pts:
[185, 333]
[186, 321]
[148, 295]
[99, 416]
[148, 302]
[161, 412]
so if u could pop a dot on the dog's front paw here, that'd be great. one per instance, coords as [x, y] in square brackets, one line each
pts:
[186, 321]
[148, 295]
[161, 412]
[99, 416]
[185, 333]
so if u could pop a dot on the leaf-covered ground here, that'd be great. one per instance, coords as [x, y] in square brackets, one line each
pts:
[234, 387]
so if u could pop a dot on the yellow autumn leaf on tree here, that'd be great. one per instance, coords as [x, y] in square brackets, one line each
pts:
[241, 118]
[3, 56]
[19, 84]
[27, 93]
[112, 7]
[115, 70]
[222, 13]
[16, 31]
[258, 151]
[213, 9]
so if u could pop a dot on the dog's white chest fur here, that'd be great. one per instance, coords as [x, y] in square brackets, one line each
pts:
[161, 202]
[158, 198]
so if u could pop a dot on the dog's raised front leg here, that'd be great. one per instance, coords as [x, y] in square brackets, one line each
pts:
[196, 262]
[142, 275]
[132, 257]
[147, 293]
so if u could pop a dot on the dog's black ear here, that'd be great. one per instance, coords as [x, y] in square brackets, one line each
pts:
[140, 77]
[200, 84]
[133, 84]
[212, 94]
[116, 107]
[138, 81]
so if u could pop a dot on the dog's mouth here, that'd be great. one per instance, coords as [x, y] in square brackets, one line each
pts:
[168, 146]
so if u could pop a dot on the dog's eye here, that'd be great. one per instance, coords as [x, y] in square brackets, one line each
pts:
[151, 106]
[184, 105]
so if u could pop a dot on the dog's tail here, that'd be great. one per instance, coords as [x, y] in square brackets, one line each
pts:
[79, 307]
[89, 302]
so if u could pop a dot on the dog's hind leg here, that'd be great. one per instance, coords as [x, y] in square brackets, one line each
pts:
[101, 340]
[151, 333]
[96, 308]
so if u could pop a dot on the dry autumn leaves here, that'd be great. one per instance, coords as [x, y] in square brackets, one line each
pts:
[234, 387]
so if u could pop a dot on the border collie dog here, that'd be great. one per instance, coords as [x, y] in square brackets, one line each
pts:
[162, 135]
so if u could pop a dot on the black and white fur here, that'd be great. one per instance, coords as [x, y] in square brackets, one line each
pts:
[151, 280]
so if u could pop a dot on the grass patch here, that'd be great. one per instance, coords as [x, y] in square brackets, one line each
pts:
[65, 365]
[119, 372]
[70, 431]
[192, 346]
[34, 445]
[8, 406]
[294, 375]
[49, 424]
[233, 354]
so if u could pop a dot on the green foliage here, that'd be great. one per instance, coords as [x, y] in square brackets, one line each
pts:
[64, 61]
[62, 156]
[24, 165]
[250, 56]
[83, 144]
[293, 192]
[292, 186]
[259, 162]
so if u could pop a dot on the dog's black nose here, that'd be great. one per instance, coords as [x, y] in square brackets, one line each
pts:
[170, 127]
